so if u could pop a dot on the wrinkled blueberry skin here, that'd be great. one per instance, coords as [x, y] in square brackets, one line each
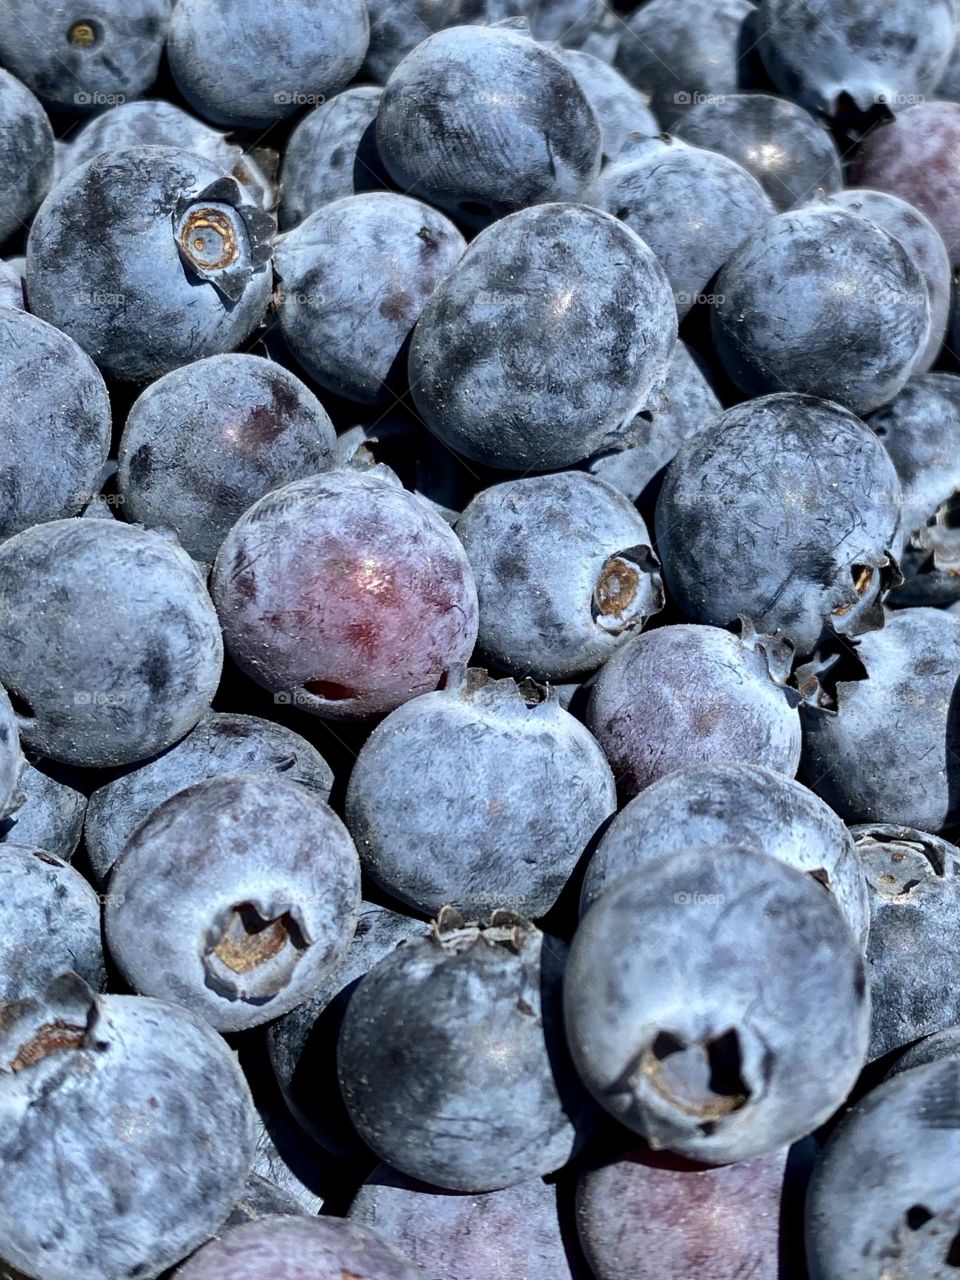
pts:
[11, 286]
[921, 432]
[870, 51]
[345, 592]
[204, 442]
[303, 1043]
[787, 150]
[885, 1198]
[452, 1062]
[513, 1232]
[49, 924]
[54, 423]
[694, 208]
[942, 1044]
[735, 1046]
[619, 107]
[298, 1248]
[254, 63]
[689, 695]
[483, 121]
[26, 154]
[747, 524]
[679, 52]
[646, 1216]
[890, 751]
[331, 153]
[11, 760]
[736, 804]
[47, 43]
[914, 883]
[539, 789]
[154, 1073]
[112, 260]
[202, 864]
[395, 29]
[772, 335]
[108, 637]
[354, 278]
[564, 573]
[52, 813]
[222, 742]
[556, 328]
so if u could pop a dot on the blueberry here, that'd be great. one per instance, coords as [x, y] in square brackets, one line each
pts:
[395, 29]
[452, 1062]
[885, 1195]
[788, 151]
[261, 1198]
[787, 510]
[49, 924]
[914, 882]
[555, 329]
[82, 55]
[108, 639]
[769, 323]
[737, 804]
[51, 816]
[258, 63]
[354, 279]
[221, 743]
[620, 108]
[564, 573]
[688, 695]
[880, 736]
[513, 1232]
[204, 442]
[942, 1044]
[694, 208]
[482, 121]
[826, 54]
[716, 1003]
[346, 593]
[12, 796]
[284, 1166]
[11, 286]
[235, 898]
[331, 153]
[54, 423]
[948, 86]
[539, 789]
[298, 1246]
[128, 1130]
[149, 258]
[26, 153]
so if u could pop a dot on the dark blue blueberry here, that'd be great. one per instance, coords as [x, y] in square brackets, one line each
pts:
[26, 152]
[620, 108]
[716, 1003]
[942, 1044]
[395, 29]
[52, 813]
[556, 327]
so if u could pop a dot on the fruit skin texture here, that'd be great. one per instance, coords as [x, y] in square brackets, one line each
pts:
[557, 326]
[482, 121]
[734, 1046]
[513, 1232]
[54, 423]
[620, 108]
[686, 695]
[201, 866]
[396, 29]
[51, 816]
[298, 1248]
[942, 1044]
[564, 573]
[773, 334]
[886, 748]
[786, 510]
[130, 1136]
[11, 759]
[494, 1104]
[256, 63]
[222, 742]
[11, 286]
[482, 796]
[354, 277]
[914, 882]
[733, 804]
[112, 260]
[204, 442]
[108, 636]
[900, 1218]
[26, 154]
[346, 592]
[49, 923]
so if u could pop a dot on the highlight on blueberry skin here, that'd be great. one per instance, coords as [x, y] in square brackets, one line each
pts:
[204, 911]
[733, 1047]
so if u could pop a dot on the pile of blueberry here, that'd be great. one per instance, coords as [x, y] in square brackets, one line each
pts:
[479, 640]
